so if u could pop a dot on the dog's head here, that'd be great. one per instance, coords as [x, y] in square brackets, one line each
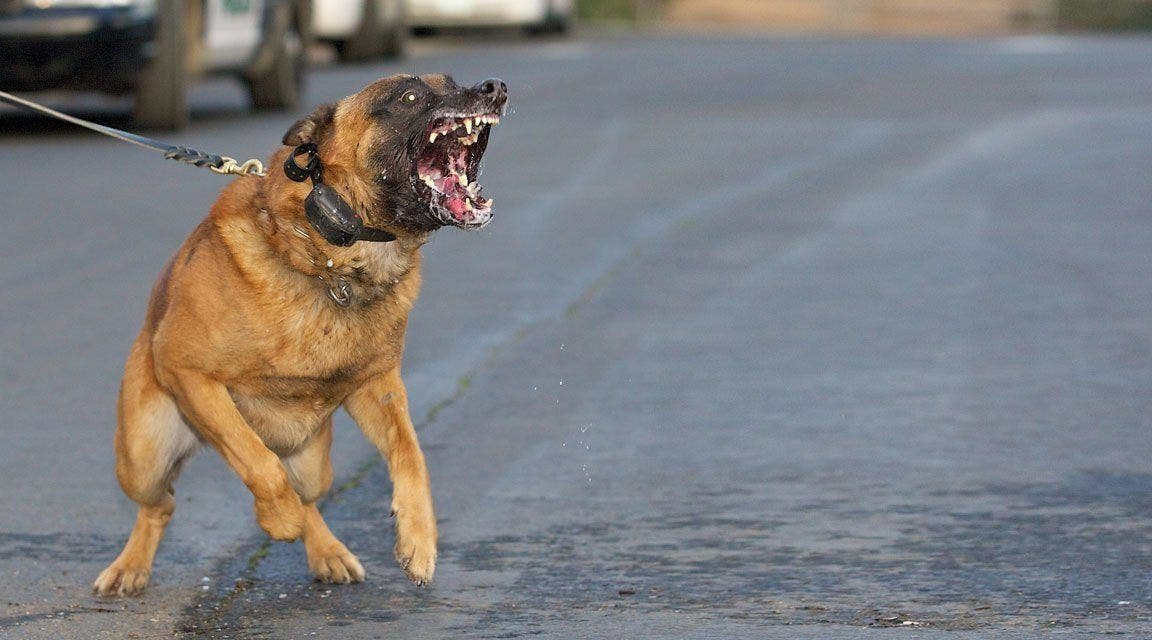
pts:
[408, 149]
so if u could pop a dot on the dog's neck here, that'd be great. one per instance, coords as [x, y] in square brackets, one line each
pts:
[371, 269]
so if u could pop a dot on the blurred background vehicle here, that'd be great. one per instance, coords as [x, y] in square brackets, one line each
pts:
[361, 29]
[546, 16]
[151, 48]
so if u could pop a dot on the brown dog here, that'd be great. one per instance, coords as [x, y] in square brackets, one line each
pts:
[259, 328]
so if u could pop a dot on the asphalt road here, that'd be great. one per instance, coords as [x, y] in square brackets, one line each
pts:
[769, 339]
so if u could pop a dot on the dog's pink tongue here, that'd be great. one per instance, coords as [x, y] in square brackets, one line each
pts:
[456, 206]
[455, 202]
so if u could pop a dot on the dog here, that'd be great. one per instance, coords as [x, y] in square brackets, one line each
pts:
[271, 316]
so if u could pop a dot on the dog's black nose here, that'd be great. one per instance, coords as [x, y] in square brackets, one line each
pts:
[493, 88]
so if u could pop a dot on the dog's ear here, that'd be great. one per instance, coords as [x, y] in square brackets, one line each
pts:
[312, 128]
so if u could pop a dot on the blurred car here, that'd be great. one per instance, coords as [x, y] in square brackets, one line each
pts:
[535, 15]
[361, 29]
[152, 47]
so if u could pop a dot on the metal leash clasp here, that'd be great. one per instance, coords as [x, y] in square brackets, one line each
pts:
[228, 165]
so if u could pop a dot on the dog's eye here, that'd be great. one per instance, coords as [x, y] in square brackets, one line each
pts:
[409, 97]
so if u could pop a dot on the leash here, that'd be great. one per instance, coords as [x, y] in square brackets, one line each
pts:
[329, 214]
[217, 164]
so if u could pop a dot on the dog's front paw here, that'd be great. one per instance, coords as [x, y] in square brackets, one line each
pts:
[122, 579]
[281, 516]
[416, 545]
[335, 565]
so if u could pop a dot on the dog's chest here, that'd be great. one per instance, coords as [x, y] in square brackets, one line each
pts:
[308, 369]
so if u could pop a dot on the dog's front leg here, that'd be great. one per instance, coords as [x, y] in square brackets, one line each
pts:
[214, 415]
[380, 407]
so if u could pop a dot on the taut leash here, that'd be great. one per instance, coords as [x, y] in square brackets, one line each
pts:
[328, 213]
[211, 161]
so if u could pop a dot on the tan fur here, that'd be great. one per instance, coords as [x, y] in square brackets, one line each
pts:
[243, 349]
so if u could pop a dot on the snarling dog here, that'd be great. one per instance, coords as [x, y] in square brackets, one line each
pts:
[266, 321]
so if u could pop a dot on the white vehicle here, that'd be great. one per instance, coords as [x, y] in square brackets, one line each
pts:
[361, 29]
[537, 15]
[152, 48]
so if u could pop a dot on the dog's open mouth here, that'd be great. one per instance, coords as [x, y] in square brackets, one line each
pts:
[447, 167]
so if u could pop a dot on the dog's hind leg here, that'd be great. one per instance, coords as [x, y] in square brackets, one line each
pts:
[152, 441]
[310, 473]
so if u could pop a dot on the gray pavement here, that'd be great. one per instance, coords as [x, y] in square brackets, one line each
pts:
[770, 339]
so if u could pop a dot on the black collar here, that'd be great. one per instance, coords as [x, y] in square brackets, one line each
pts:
[328, 213]
[372, 234]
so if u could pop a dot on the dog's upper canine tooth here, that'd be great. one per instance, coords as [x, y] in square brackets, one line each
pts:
[432, 138]
[468, 125]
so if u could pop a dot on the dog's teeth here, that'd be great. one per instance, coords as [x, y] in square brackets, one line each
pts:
[468, 125]
[432, 138]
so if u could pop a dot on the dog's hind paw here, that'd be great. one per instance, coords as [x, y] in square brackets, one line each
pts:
[118, 580]
[338, 567]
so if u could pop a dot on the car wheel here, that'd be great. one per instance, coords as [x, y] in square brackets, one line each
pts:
[558, 22]
[161, 101]
[378, 35]
[396, 29]
[555, 22]
[277, 79]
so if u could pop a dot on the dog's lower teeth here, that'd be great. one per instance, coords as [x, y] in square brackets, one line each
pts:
[453, 195]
